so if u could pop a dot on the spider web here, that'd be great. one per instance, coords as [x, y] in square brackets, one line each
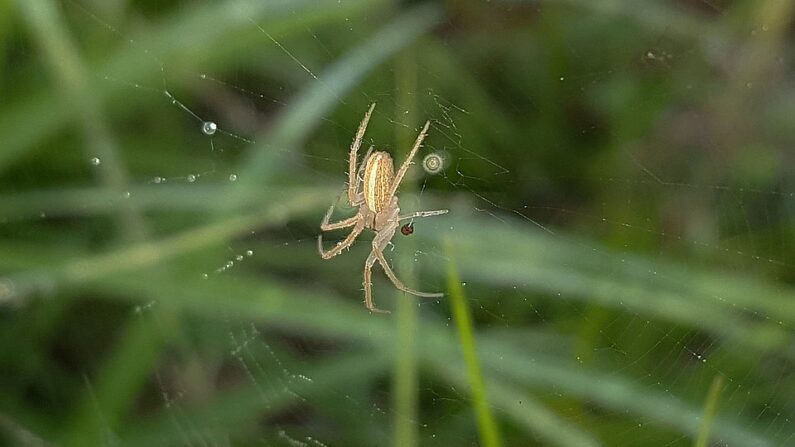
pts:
[622, 228]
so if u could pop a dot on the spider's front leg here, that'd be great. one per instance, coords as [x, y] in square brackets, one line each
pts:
[353, 177]
[345, 243]
[422, 214]
[405, 166]
[344, 223]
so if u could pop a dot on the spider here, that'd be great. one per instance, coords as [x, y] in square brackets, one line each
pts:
[378, 209]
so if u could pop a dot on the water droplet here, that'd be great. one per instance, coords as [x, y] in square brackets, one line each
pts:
[239, 257]
[95, 161]
[205, 276]
[232, 177]
[191, 178]
[249, 252]
[126, 195]
[209, 127]
[230, 264]
[157, 179]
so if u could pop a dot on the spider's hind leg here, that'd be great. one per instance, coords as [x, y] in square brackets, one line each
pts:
[368, 285]
[379, 243]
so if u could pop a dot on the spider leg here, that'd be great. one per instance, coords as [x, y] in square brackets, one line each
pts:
[422, 214]
[405, 166]
[353, 178]
[342, 245]
[344, 223]
[379, 243]
[368, 285]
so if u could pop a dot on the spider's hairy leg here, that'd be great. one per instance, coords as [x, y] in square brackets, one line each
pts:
[405, 166]
[368, 285]
[379, 243]
[353, 178]
[423, 214]
[345, 243]
[344, 223]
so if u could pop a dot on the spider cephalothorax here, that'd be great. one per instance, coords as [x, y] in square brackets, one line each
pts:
[373, 187]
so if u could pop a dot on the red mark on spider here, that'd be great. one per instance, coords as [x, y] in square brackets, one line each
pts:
[407, 229]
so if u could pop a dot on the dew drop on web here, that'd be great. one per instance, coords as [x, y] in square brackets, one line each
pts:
[209, 127]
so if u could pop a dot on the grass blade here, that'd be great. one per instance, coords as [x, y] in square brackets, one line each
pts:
[710, 409]
[487, 426]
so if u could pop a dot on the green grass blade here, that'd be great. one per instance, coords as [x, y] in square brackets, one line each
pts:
[116, 385]
[538, 420]
[710, 409]
[97, 202]
[487, 425]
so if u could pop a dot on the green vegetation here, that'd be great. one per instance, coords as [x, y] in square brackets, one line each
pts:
[619, 245]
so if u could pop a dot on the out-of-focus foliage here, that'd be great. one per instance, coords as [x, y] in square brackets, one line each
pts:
[620, 189]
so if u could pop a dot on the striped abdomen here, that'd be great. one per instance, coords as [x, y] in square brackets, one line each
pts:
[378, 175]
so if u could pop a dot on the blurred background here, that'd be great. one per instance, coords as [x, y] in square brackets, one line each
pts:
[617, 261]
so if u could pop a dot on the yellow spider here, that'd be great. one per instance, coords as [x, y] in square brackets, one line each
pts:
[378, 208]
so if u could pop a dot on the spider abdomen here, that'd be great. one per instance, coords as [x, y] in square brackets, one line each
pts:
[378, 175]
